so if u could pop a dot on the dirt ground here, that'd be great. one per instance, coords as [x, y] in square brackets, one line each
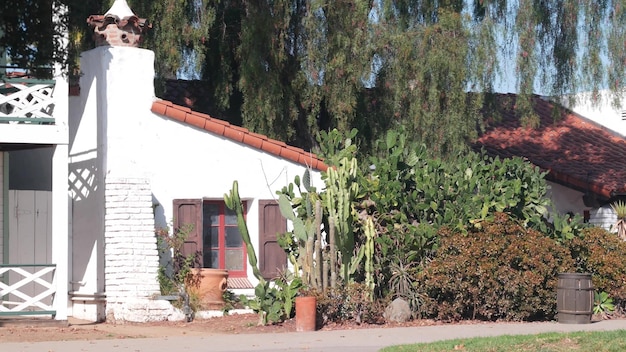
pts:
[230, 324]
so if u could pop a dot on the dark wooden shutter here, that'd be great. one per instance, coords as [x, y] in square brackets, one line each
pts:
[272, 258]
[188, 214]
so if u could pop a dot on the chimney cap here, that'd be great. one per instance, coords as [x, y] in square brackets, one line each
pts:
[118, 27]
[120, 10]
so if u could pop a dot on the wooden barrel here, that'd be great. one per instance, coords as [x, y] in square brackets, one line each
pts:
[574, 298]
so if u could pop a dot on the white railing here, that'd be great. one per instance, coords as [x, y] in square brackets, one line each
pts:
[25, 100]
[27, 289]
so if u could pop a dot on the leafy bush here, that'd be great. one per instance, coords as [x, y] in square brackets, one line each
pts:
[414, 195]
[602, 254]
[175, 267]
[499, 270]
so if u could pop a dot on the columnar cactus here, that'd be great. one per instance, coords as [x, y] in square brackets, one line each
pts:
[341, 190]
[306, 230]
[368, 248]
[324, 260]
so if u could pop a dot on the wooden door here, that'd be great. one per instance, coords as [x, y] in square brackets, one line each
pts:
[30, 235]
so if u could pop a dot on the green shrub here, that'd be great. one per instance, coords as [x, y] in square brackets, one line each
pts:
[499, 270]
[414, 195]
[602, 254]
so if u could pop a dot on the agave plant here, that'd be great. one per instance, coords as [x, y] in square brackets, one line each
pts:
[603, 304]
[619, 208]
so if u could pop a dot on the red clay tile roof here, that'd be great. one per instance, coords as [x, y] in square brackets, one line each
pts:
[237, 134]
[576, 151]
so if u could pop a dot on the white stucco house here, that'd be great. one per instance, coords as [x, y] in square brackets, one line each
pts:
[585, 160]
[137, 163]
[603, 111]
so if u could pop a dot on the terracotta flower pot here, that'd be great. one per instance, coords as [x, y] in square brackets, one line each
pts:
[306, 313]
[209, 285]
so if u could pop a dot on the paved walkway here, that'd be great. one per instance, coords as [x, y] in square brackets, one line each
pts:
[366, 340]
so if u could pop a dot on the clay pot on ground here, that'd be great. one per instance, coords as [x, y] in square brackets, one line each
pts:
[209, 286]
[306, 313]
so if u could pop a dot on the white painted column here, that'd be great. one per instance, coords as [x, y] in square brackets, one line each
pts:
[60, 230]
[60, 220]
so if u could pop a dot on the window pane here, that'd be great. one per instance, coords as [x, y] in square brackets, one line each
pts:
[230, 216]
[211, 214]
[233, 237]
[211, 259]
[210, 238]
[234, 259]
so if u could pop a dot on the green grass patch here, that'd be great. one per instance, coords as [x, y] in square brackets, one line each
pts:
[598, 341]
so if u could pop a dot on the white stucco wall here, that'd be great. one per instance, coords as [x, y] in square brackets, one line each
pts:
[566, 199]
[185, 162]
[86, 184]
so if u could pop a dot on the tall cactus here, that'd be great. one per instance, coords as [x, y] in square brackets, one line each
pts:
[319, 273]
[233, 202]
[368, 248]
[342, 189]
[306, 219]
[332, 254]
[306, 212]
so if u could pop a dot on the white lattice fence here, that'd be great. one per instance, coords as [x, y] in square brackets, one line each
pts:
[26, 101]
[16, 294]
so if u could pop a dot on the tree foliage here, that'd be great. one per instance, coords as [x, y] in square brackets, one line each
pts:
[296, 67]
[28, 35]
[292, 68]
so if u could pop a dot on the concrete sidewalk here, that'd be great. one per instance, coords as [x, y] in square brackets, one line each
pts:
[367, 340]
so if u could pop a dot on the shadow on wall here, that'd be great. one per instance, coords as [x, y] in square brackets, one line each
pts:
[87, 200]
[83, 177]
[160, 220]
[161, 228]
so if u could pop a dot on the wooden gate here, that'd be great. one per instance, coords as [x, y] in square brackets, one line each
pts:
[27, 274]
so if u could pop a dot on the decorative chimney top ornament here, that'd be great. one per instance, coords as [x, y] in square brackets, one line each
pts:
[118, 27]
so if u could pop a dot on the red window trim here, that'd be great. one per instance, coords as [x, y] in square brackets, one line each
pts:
[222, 239]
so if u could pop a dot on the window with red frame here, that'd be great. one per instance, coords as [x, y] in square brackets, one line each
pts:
[214, 236]
[222, 245]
